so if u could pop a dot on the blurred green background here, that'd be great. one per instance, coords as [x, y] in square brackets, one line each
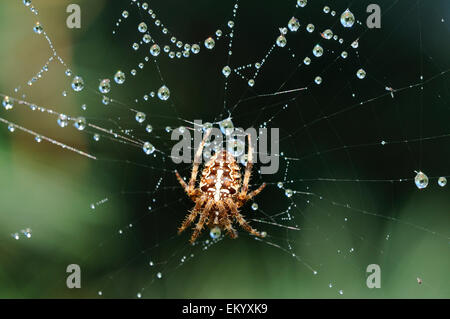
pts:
[50, 190]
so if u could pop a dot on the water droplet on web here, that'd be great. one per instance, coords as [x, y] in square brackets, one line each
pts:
[327, 34]
[231, 24]
[421, 180]
[38, 29]
[318, 80]
[310, 28]
[140, 117]
[344, 54]
[163, 93]
[326, 9]
[11, 128]
[293, 24]
[7, 103]
[226, 71]
[148, 148]
[442, 181]
[254, 206]
[215, 232]
[280, 184]
[63, 120]
[195, 48]
[106, 100]
[226, 126]
[347, 19]
[142, 27]
[307, 61]
[149, 128]
[361, 74]
[104, 86]
[155, 50]
[77, 84]
[317, 51]
[80, 123]
[210, 43]
[288, 192]
[281, 41]
[159, 275]
[251, 82]
[119, 77]
[96, 137]
[302, 3]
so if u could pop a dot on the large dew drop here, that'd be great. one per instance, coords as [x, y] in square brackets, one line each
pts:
[104, 86]
[210, 43]
[164, 93]
[421, 180]
[215, 232]
[119, 77]
[293, 24]
[347, 19]
[226, 126]
[77, 84]
[148, 148]
[318, 51]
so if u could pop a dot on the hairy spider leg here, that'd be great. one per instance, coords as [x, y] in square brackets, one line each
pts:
[240, 219]
[197, 158]
[204, 215]
[191, 217]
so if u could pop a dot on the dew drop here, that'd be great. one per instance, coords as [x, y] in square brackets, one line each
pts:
[442, 181]
[293, 24]
[210, 43]
[77, 84]
[361, 74]
[347, 19]
[226, 71]
[140, 117]
[148, 148]
[7, 103]
[163, 93]
[104, 86]
[215, 232]
[281, 41]
[119, 77]
[421, 180]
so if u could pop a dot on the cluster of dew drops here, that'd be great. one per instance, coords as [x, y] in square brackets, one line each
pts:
[347, 20]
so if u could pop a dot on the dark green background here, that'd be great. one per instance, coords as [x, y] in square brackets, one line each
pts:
[50, 190]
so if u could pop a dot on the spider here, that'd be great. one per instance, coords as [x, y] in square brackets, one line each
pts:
[219, 195]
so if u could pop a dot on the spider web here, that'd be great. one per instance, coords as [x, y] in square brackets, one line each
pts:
[350, 148]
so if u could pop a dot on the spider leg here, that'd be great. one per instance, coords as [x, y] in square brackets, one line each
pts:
[256, 191]
[241, 220]
[192, 215]
[248, 170]
[197, 162]
[225, 221]
[192, 193]
[204, 215]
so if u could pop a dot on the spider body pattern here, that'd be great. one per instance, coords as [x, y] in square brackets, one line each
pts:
[220, 193]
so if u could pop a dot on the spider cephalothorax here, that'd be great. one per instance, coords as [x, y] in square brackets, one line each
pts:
[219, 195]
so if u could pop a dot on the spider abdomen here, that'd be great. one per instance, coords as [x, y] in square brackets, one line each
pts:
[221, 176]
